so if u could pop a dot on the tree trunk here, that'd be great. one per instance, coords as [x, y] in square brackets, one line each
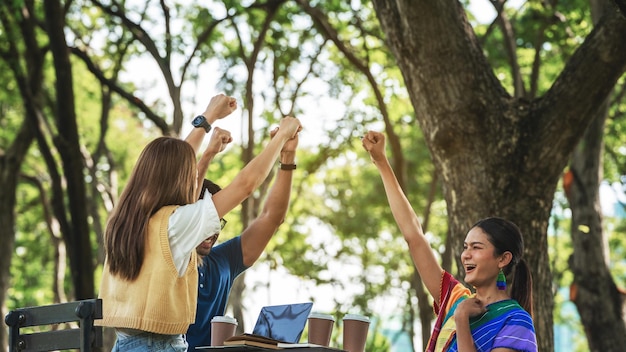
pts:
[599, 302]
[10, 165]
[250, 207]
[594, 292]
[498, 155]
[16, 31]
[235, 301]
[77, 237]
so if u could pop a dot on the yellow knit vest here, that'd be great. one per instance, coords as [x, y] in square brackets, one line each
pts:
[158, 300]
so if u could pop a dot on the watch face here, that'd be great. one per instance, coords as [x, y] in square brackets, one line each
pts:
[198, 121]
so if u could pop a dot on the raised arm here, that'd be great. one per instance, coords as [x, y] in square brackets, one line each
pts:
[219, 107]
[421, 253]
[218, 142]
[257, 235]
[253, 174]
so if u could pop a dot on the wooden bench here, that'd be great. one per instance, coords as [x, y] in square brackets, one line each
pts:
[84, 337]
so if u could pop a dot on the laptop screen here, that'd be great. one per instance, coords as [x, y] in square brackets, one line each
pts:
[283, 322]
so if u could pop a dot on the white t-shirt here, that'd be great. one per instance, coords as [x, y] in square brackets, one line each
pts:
[188, 226]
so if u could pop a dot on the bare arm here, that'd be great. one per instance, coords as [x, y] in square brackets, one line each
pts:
[253, 174]
[218, 142]
[257, 235]
[421, 253]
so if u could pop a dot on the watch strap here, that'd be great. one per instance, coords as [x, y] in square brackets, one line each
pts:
[287, 167]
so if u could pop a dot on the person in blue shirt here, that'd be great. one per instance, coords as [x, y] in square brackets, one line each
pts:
[221, 264]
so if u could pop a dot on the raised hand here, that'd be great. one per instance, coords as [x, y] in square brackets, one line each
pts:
[290, 146]
[219, 140]
[470, 307]
[374, 143]
[289, 126]
[219, 107]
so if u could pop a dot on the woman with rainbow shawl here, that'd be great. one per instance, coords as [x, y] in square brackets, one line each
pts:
[492, 318]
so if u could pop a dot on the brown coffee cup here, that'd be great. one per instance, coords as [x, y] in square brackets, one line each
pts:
[355, 328]
[222, 327]
[320, 328]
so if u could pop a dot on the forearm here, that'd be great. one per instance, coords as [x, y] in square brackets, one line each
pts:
[203, 163]
[203, 166]
[219, 107]
[255, 238]
[277, 202]
[258, 168]
[278, 198]
[195, 138]
[400, 207]
[411, 228]
[250, 177]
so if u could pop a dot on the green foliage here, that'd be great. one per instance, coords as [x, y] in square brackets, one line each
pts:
[32, 269]
[11, 111]
[542, 32]
[339, 231]
[376, 341]
[617, 250]
[615, 136]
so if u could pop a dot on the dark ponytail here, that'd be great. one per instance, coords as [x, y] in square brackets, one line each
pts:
[522, 286]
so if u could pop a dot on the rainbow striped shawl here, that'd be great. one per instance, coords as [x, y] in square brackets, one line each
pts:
[505, 324]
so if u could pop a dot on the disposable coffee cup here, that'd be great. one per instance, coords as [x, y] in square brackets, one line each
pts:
[355, 329]
[320, 328]
[222, 327]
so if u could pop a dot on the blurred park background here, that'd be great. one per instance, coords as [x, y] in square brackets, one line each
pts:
[491, 107]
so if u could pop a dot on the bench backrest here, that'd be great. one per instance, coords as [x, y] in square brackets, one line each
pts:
[84, 337]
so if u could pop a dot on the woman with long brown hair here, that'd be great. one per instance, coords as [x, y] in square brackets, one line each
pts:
[150, 277]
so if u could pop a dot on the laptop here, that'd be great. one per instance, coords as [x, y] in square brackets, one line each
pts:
[284, 323]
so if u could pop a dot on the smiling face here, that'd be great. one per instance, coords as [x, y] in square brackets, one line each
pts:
[204, 248]
[479, 260]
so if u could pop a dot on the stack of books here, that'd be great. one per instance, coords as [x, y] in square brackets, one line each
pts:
[264, 342]
[252, 340]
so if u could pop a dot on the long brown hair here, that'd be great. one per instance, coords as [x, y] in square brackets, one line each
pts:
[165, 174]
[506, 236]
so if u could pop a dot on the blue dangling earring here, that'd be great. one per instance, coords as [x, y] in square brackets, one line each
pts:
[501, 281]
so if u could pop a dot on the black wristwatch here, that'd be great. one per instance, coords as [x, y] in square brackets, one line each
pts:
[200, 121]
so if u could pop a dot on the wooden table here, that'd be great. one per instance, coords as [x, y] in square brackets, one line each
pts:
[261, 349]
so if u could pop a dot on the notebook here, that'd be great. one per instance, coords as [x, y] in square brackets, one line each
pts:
[284, 323]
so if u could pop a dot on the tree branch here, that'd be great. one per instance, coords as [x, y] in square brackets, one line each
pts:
[587, 79]
[132, 99]
[330, 33]
[509, 43]
[144, 38]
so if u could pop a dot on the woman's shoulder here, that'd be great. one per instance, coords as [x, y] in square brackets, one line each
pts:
[166, 210]
[509, 310]
[197, 208]
[510, 306]
[517, 332]
[516, 314]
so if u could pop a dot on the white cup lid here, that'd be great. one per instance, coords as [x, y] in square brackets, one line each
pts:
[356, 317]
[321, 316]
[224, 319]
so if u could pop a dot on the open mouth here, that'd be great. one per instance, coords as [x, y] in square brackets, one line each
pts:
[469, 268]
[210, 241]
